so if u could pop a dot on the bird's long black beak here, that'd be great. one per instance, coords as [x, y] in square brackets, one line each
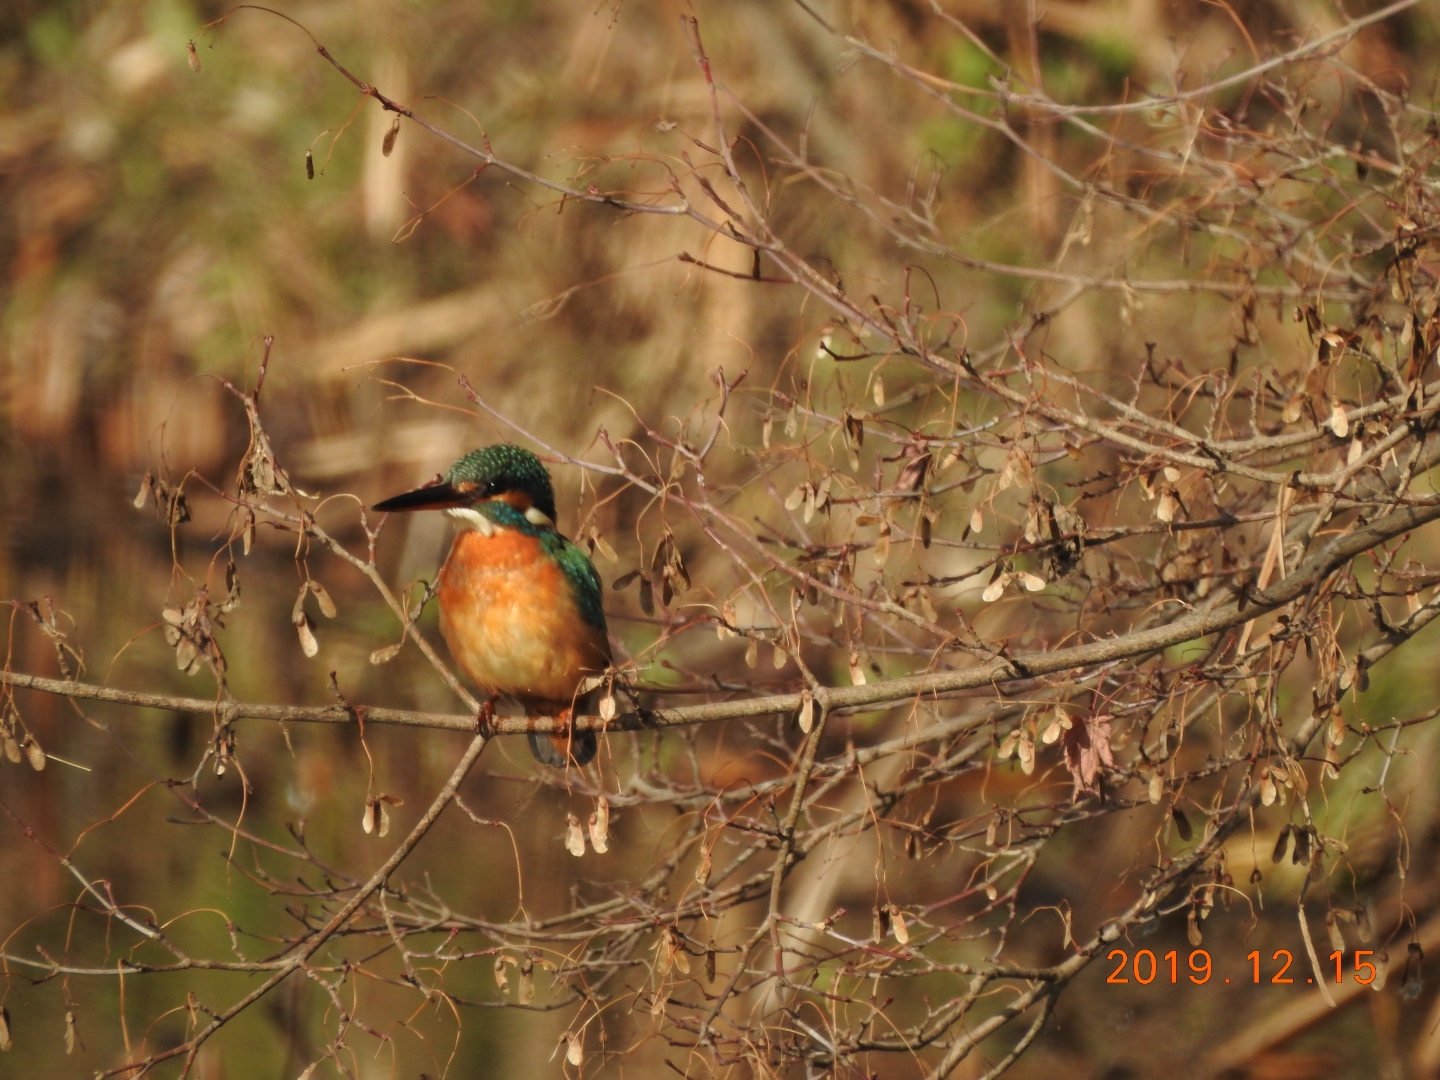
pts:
[438, 496]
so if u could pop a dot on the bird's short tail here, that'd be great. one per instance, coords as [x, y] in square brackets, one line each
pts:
[564, 748]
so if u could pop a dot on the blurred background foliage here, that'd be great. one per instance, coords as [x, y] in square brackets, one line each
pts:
[156, 222]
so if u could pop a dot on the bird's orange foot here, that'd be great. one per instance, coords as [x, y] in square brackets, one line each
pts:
[486, 713]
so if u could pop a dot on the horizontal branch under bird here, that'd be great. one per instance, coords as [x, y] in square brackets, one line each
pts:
[1001, 669]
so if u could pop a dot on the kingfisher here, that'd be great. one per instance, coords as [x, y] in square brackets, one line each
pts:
[519, 603]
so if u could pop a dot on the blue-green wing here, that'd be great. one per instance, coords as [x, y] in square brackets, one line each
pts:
[583, 578]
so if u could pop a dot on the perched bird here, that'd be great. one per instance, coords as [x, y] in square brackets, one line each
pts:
[519, 603]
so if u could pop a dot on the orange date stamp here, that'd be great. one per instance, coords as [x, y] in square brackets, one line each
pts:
[1145, 968]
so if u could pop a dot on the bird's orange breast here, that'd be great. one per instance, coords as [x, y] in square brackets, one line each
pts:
[509, 615]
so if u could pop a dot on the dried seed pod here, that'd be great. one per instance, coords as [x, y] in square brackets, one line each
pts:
[807, 711]
[607, 707]
[1182, 824]
[370, 817]
[33, 754]
[602, 546]
[309, 165]
[977, 520]
[1335, 731]
[145, 487]
[995, 589]
[877, 390]
[1008, 746]
[1301, 852]
[1339, 423]
[647, 596]
[192, 57]
[1281, 843]
[857, 673]
[752, 652]
[1337, 939]
[600, 826]
[385, 655]
[779, 657]
[709, 965]
[678, 956]
[1032, 582]
[765, 428]
[898, 927]
[527, 982]
[1192, 929]
[1156, 788]
[1025, 751]
[574, 1049]
[72, 1032]
[1412, 982]
[187, 656]
[500, 980]
[1167, 506]
[5, 1042]
[727, 620]
[327, 605]
[387, 145]
[306, 631]
[574, 836]
[1268, 790]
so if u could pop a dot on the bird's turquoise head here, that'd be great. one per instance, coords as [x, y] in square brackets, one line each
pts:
[504, 472]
